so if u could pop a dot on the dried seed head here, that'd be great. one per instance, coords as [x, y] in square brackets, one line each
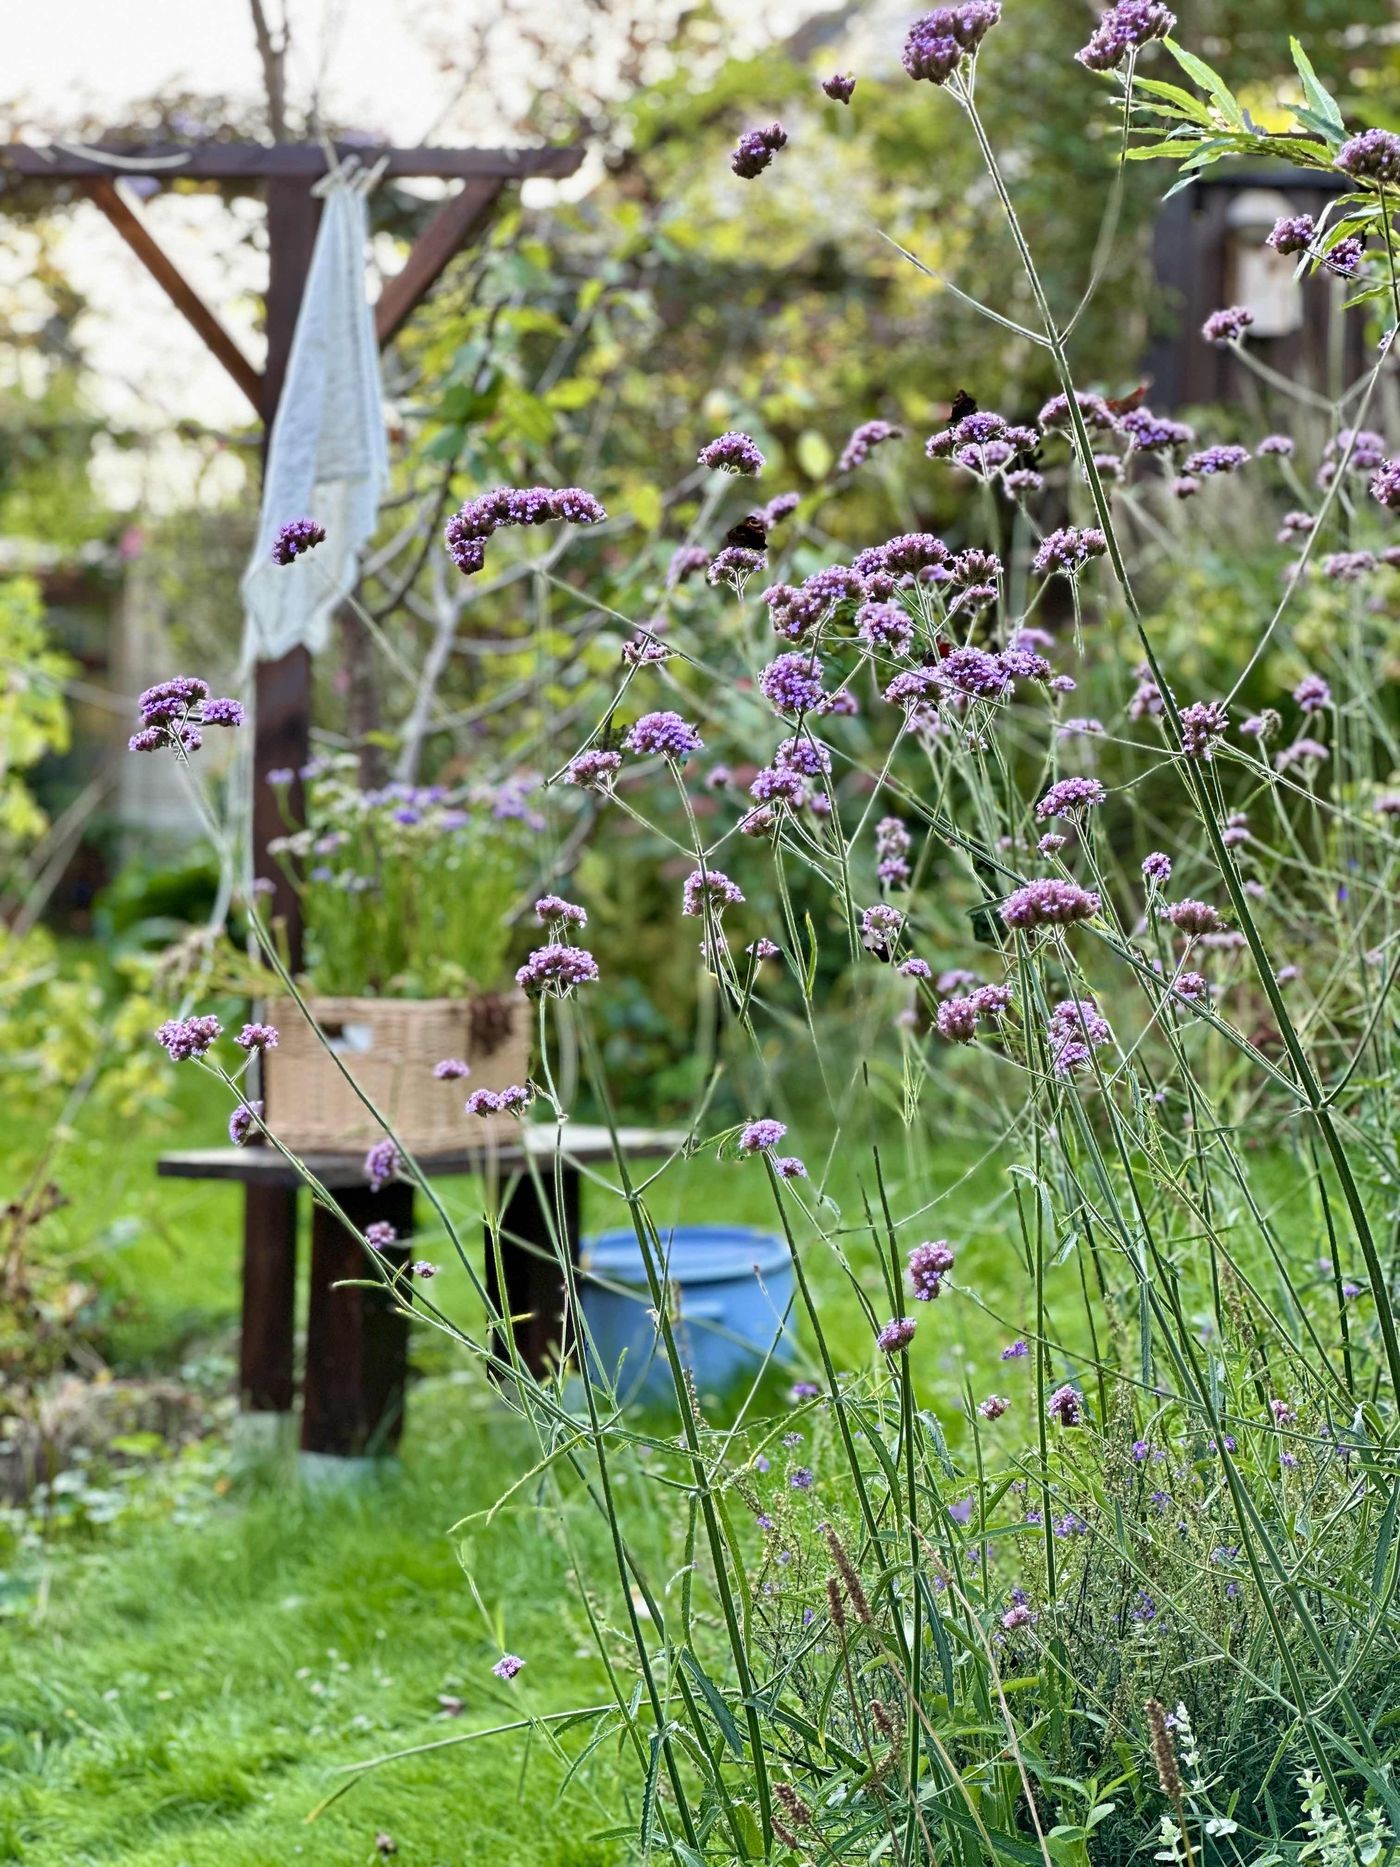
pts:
[785, 1835]
[794, 1807]
[1163, 1751]
[841, 1557]
[837, 1604]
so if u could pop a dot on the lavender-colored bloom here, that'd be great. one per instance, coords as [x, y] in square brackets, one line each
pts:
[507, 1666]
[782, 788]
[1066, 1406]
[555, 911]
[1048, 902]
[1312, 693]
[753, 152]
[1051, 843]
[184, 1038]
[1016, 1351]
[663, 735]
[479, 518]
[804, 756]
[240, 1123]
[382, 1163]
[557, 969]
[644, 651]
[686, 562]
[792, 683]
[869, 435]
[937, 43]
[1374, 155]
[1068, 550]
[1228, 458]
[732, 452]
[885, 626]
[257, 1037]
[1157, 867]
[957, 1020]
[763, 948]
[734, 565]
[991, 1001]
[1203, 723]
[1194, 918]
[1301, 752]
[972, 671]
[1227, 326]
[804, 1390]
[1093, 409]
[1129, 24]
[574, 506]
[879, 929]
[1281, 445]
[1070, 1525]
[787, 1167]
[1078, 1019]
[1292, 233]
[1017, 1615]
[1069, 797]
[802, 1478]
[1155, 434]
[710, 886]
[915, 969]
[993, 1406]
[295, 537]
[929, 1264]
[1385, 487]
[593, 770]
[379, 1235]
[896, 1334]
[762, 1136]
[222, 713]
[839, 87]
[483, 1102]
[1144, 1608]
[1348, 566]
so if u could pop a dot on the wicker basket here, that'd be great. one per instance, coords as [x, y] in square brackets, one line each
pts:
[389, 1046]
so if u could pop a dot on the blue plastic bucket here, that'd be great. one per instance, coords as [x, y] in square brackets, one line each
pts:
[735, 1290]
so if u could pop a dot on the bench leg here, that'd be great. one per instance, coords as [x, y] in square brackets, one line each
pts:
[266, 1382]
[534, 1291]
[356, 1340]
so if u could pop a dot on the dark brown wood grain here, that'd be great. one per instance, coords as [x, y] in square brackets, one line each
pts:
[455, 225]
[356, 1334]
[257, 161]
[266, 1350]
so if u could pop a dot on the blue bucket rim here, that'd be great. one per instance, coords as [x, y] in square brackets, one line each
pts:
[615, 1254]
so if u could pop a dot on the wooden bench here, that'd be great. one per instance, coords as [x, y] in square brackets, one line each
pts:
[356, 1363]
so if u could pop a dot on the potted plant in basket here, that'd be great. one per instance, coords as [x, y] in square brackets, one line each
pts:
[406, 896]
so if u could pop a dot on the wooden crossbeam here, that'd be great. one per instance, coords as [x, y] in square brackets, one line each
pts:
[138, 236]
[455, 225]
[259, 161]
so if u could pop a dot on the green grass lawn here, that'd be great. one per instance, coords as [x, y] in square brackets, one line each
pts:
[181, 1689]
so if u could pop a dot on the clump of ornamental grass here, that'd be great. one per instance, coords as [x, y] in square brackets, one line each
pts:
[1076, 1539]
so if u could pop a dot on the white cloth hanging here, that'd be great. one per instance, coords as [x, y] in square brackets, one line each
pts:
[328, 458]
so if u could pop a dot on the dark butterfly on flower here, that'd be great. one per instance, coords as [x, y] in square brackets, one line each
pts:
[963, 406]
[1125, 404]
[750, 534]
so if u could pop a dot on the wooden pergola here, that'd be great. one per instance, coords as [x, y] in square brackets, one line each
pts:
[288, 174]
[357, 1336]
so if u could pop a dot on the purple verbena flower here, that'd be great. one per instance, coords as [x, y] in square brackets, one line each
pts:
[1292, 233]
[379, 1235]
[993, 1406]
[762, 1136]
[868, 436]
[1157, 867]
[792, 683]
[1194, 918]
[295, 537]
[507, 1666]
[753, 152]
[242, 1121]
[1070, 797]
[382, 1163]
[732, 452]
[1066, 1406]
[838, 87]
[1312, 693]
[593, 770]
[1385, 487]
[1227, 326]
[184, 1038]
[938, 42]
[1125, 27]
[896, 1334]
[1228, 458]
[1374, 155]
[257, 1037]
[555, 911]
[929, 1264]
[712, 887]
[1048, 902]
[1068, 550]
[557, 969]
[663, 735]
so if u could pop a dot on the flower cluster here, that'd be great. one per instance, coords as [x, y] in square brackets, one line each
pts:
[938, 43]
[1048, 902]
[556, 969]
[1070, 797]
[839, 88]
[712, 888]
[755, 150]
[1227, 326]
[1068, 550]
[1075, 1029]
[512, 1100]
[296, 537]
[662, 735]
[1125, 27]
[732, 452]
[869, 435]
[929, 1264]
[186, 1038]
[173, 711]
[468, 529]
[1374, 155]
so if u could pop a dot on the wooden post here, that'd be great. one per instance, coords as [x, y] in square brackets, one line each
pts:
[534, 1292]
[352, 1395]
[266, 1349]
